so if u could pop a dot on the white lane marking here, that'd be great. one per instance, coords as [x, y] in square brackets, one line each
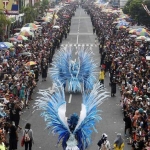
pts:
[78, 27]
[70, 97]
[77, 39]
[81, 33]
[82, 44]
[81, 17]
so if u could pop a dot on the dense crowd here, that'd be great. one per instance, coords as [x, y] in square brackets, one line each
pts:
[125, 59]
[19, 80]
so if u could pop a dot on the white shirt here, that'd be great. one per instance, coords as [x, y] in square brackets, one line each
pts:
[105, 146]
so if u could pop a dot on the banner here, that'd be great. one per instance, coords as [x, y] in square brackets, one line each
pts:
[10, 7]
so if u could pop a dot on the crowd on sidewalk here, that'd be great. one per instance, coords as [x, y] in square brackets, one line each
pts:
[125, 59]
[18, 80]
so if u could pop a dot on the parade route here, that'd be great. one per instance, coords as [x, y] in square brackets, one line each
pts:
[81, 33]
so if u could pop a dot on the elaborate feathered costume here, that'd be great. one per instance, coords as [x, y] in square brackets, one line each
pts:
[74, 132]
[76, 73]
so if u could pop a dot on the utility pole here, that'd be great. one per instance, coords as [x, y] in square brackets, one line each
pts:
[146, 9]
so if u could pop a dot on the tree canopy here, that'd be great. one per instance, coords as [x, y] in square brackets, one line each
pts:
[4, 21]
[135, 9]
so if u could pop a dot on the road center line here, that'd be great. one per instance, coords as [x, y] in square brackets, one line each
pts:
[78, 27]
[70, 98]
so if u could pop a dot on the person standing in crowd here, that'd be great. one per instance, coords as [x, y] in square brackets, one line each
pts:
[113, 87]
[118, 143]
[103, 55]
[13, 137]
[10, 107]
[36, 72]
[103, 143]
[93, 29]
[44, 71]
[16, 113]
[102, 76]
[128, 123]
[29, 132]
[138, 143]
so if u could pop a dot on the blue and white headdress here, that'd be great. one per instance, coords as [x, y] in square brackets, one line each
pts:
[75, 72]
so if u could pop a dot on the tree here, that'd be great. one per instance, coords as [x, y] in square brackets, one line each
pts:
[4, 22]
[146, 6]
[45, 4]
[127, 7]
[135, 9]
[30, 13]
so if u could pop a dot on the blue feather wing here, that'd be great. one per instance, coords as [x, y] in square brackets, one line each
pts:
[60, 67]
[89, 115]
[53, 108]
[87, 73]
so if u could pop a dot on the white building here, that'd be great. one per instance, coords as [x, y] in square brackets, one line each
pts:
[122, 3]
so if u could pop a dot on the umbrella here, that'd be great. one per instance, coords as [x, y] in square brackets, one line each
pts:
[133, 31]
[26, 33]
[8, 44]
[141, 38]
[13, 39]
[115, 22]
[3, 45]
[121, 27]
[45, 19]
[31, 25]
[56, 27]
[20, 45]
[142, 33]
[30, 63]
[120, 19]
[123, 23]
[21, 38]
[133, 36]
[16, 34]
[141, 30]
[12, 49]
[35, 22]
[148, 39]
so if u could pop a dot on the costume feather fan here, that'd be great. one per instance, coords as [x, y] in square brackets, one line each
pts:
[75, 132]
[82, 71]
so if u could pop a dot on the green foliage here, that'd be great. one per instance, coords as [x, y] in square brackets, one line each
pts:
[127, 7]
[4, 21]
[37, 5]
[30, 13]
[135, 9]
[45, 4]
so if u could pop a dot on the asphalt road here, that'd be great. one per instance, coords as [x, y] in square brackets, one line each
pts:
[81, 34]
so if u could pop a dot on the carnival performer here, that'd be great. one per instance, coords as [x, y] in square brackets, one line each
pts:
[118, 143]
[103, 143]
[81, 71]
[74, 132]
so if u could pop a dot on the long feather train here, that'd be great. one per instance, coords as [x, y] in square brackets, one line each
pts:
[89, 115]
[53, 108]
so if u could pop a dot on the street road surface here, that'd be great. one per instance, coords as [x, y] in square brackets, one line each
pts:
[81, 33]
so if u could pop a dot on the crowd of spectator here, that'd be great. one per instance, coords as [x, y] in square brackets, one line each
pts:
[17, 80]
[125, 59]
